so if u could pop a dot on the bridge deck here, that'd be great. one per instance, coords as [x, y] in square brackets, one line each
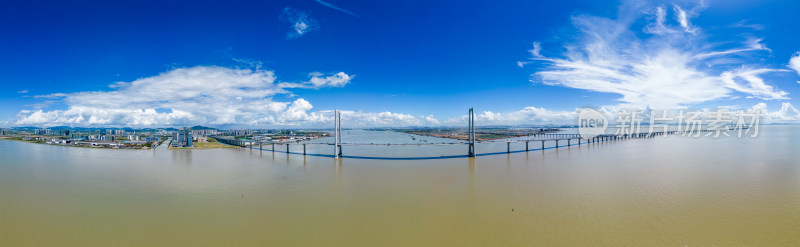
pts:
[581, 140]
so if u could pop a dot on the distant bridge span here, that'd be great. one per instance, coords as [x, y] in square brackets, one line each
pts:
[560, 140]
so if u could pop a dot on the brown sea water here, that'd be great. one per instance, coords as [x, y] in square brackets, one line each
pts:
[642, 192]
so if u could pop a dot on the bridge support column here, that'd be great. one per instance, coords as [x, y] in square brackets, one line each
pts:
[508, 147]
[287, 148]
[556, 144]
[526, 146]
[273, 147]
[304, 149]
[337, 134]
[568, 142]
[543, 146]
[471, 135]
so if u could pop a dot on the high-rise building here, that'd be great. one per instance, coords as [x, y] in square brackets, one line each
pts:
[183, 138]
[42, 132]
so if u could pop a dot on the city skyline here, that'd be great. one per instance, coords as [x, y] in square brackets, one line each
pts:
[287, 64]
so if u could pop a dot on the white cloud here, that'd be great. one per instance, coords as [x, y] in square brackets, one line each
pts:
[537, 48]
[683, 18]
[787, 114]
[319, 80]
[206, 95]
[794, 63]
[382, 119]
[301, 22]
[202, 94]
[297, 113]
[528, 115]
[670, 66]
[23, 91]
[755, 85]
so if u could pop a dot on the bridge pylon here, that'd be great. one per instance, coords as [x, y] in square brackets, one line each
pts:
[471, 136]
[337, 134]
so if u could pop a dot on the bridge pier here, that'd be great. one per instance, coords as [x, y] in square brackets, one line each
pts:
[526, 146]
[508, 147]
[287, 148]
[273, 147]
[304, 149]
[556, 144]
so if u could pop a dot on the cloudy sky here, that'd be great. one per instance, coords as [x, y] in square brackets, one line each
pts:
[399, 63]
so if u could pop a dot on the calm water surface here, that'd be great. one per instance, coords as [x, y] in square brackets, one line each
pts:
[661, 191]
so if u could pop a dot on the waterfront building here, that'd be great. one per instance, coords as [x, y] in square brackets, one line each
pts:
[182, 138]
[201, 139]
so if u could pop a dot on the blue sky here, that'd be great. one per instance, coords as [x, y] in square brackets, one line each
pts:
[398, 63]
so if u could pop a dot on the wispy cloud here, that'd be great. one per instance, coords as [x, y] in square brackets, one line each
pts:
[320, 80]
[746, 24]
[336, 8]
[683, 19]
[669, 65]
[300, 22]
[23, 91]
